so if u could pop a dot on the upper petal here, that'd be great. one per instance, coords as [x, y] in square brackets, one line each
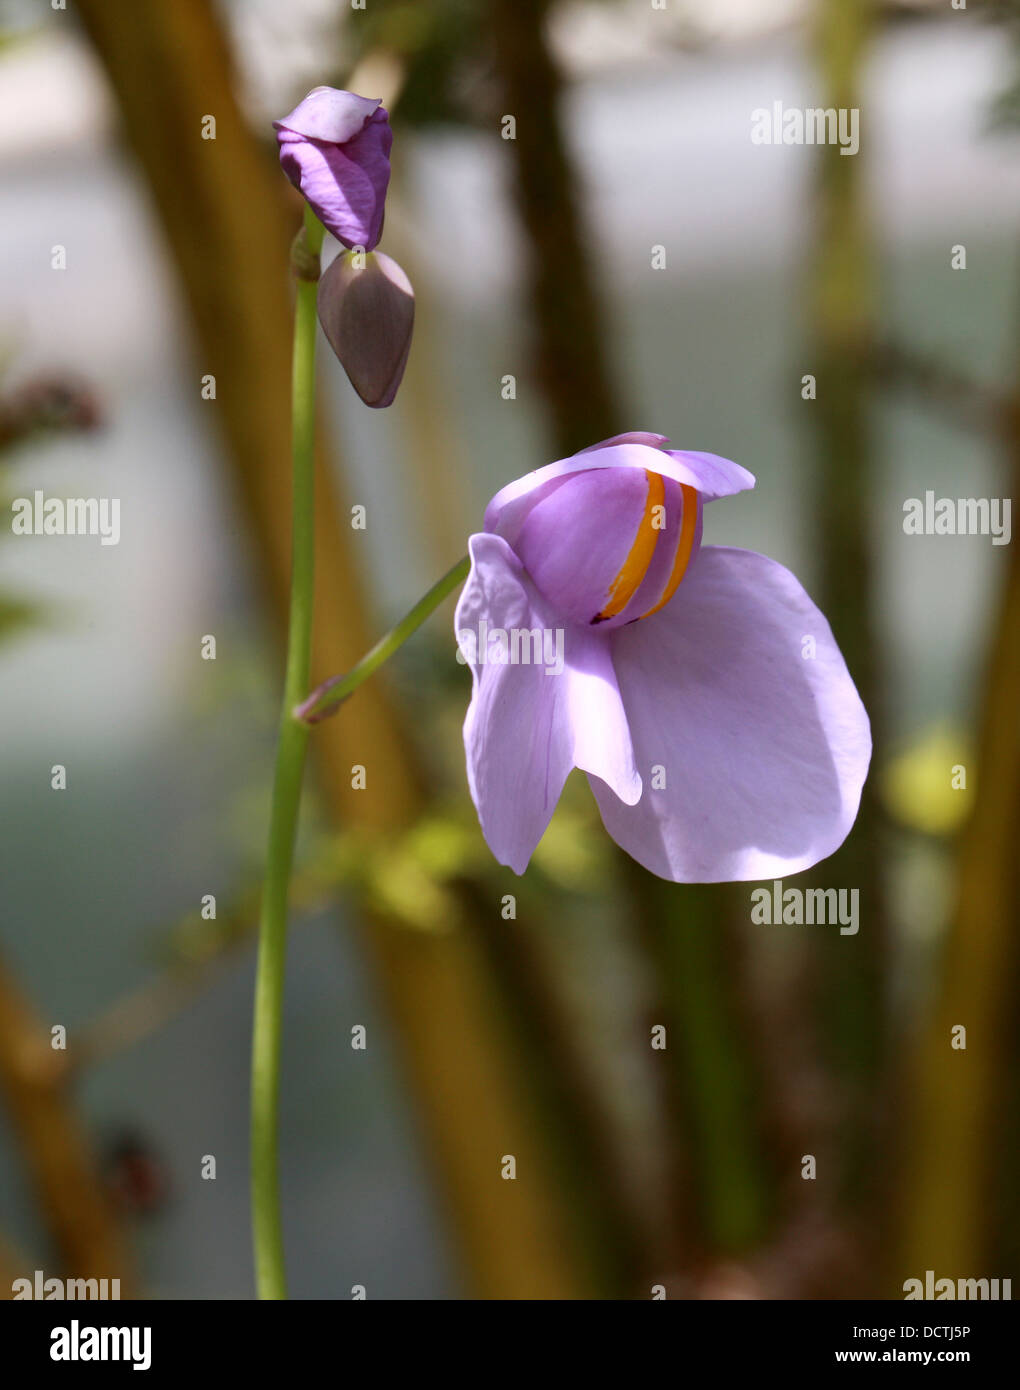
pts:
[327, 113]
[506, 513]
[716, 476]
[655, 441]
[764, 745]
[528, 722]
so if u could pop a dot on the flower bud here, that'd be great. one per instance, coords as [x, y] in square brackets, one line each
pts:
[334, 148]
[366, 308]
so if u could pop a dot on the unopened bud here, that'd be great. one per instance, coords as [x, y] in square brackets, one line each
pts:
[366, 308]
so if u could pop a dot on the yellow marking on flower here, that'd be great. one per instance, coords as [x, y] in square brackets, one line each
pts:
[635, 567]
[685, 545]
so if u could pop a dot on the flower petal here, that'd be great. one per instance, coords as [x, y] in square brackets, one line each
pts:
[581, 539]
[506, 513]
[765, 749]
[675, 553]
[716, 476]
[654, 441]
[527, 725]
[345, 184]
[329, 114]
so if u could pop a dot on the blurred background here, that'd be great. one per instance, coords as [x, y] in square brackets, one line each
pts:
[679, 1167]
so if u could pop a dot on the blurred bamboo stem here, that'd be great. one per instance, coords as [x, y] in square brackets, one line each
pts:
[222, 207]
[570, 367]
[851, 1007]
[578, 395]
[706, 1105]
[607, 1214]
[954, 1158]
[721, 1177]
[72, 1199]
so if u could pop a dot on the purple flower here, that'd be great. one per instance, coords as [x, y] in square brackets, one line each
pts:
[699, 688]
[334, 148]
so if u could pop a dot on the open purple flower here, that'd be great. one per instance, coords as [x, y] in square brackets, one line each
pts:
[335, 148]
[699, 688]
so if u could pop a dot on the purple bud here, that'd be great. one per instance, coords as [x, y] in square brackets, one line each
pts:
[366, 308]
[334, 148]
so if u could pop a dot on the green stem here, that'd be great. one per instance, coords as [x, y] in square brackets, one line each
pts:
[328, 698]
[290, 763]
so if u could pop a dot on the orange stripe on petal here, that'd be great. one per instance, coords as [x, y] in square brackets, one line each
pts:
[685, 545]
[635, 567]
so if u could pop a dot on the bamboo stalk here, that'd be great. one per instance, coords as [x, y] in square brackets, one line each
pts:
[72, 1199]
[851, 1004]
[962, 1098]
[570, 367]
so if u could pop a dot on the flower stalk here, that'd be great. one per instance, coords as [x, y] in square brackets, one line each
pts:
[329, 696]
[288, 776]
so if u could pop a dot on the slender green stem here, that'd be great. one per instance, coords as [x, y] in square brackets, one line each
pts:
[290, 763]
[328, 698]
